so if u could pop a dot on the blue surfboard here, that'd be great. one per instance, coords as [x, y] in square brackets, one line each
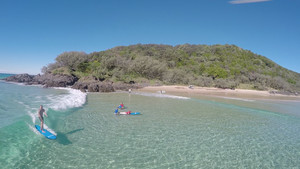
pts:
[47, 134]
[135, 113]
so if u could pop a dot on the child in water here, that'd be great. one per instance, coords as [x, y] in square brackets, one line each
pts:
[117, 111]
[121, 106]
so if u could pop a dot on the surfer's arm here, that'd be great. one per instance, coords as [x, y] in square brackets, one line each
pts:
[45, 114]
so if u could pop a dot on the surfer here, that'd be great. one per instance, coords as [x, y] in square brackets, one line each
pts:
[41, 114]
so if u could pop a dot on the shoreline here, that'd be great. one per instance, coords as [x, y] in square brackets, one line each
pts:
[216, 92]
[177, 90]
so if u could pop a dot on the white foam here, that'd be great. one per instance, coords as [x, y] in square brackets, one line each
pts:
[234, 98]
[22, 103]
[161, 95]
[32, 128]
[75, 98]
[70, 99]
[280, 100]
[38, 97]
[22, 83]
[32, 115]
[16, 83]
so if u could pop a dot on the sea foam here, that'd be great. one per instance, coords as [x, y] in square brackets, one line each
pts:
[74, 98]
[234, 98]
[161, 95]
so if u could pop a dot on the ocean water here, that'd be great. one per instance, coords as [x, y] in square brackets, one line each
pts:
[172, 132]
[4, 75]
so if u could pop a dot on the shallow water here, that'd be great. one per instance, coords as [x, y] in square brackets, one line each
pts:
[172, 132]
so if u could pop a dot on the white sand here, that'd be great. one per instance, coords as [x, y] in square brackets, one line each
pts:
[241, 93]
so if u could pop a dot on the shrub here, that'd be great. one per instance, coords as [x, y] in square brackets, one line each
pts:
[175, 76]
[62, 71]
[225, 84]
[148, 67]
[279, 84]
[259, 86]
[71, 59]
[217, 72]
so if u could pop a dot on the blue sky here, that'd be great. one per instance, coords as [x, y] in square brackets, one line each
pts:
[34, 32]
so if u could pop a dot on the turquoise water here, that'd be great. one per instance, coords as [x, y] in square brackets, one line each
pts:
[4, 75]
[172, 132]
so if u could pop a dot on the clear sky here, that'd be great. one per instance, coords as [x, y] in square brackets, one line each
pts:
[34, 32]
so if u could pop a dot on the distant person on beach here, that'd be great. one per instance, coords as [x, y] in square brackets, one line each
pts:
[41, 114]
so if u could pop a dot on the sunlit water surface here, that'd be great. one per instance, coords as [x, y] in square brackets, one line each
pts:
[172, 132]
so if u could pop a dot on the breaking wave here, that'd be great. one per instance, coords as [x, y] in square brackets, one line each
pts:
[74, 98]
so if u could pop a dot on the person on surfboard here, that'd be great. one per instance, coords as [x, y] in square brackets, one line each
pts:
[41, 114]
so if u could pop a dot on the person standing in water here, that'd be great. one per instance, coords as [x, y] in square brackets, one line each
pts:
[41, 114]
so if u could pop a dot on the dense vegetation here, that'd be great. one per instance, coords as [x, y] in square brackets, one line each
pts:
[223, 66]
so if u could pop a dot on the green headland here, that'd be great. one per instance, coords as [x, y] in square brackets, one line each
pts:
[222, 66]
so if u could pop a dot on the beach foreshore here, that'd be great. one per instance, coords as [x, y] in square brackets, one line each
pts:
[210, 91]
[92, 85]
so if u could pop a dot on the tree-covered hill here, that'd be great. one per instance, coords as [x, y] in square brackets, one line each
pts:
[223, 66]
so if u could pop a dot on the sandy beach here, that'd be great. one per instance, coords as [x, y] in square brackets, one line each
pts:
[209, 91]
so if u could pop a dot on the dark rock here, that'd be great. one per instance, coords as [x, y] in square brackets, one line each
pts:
[94, 86]
[84, 84]
[90, 84]
[106, 87]
[49, 80]
[89, 79]
[80, 86]
[21, 78]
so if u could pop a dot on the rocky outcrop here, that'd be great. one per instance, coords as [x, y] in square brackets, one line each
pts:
[48, 80]
[21, 78]
[90, 84]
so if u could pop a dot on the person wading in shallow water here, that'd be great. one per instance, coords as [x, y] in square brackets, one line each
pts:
[41, 114]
